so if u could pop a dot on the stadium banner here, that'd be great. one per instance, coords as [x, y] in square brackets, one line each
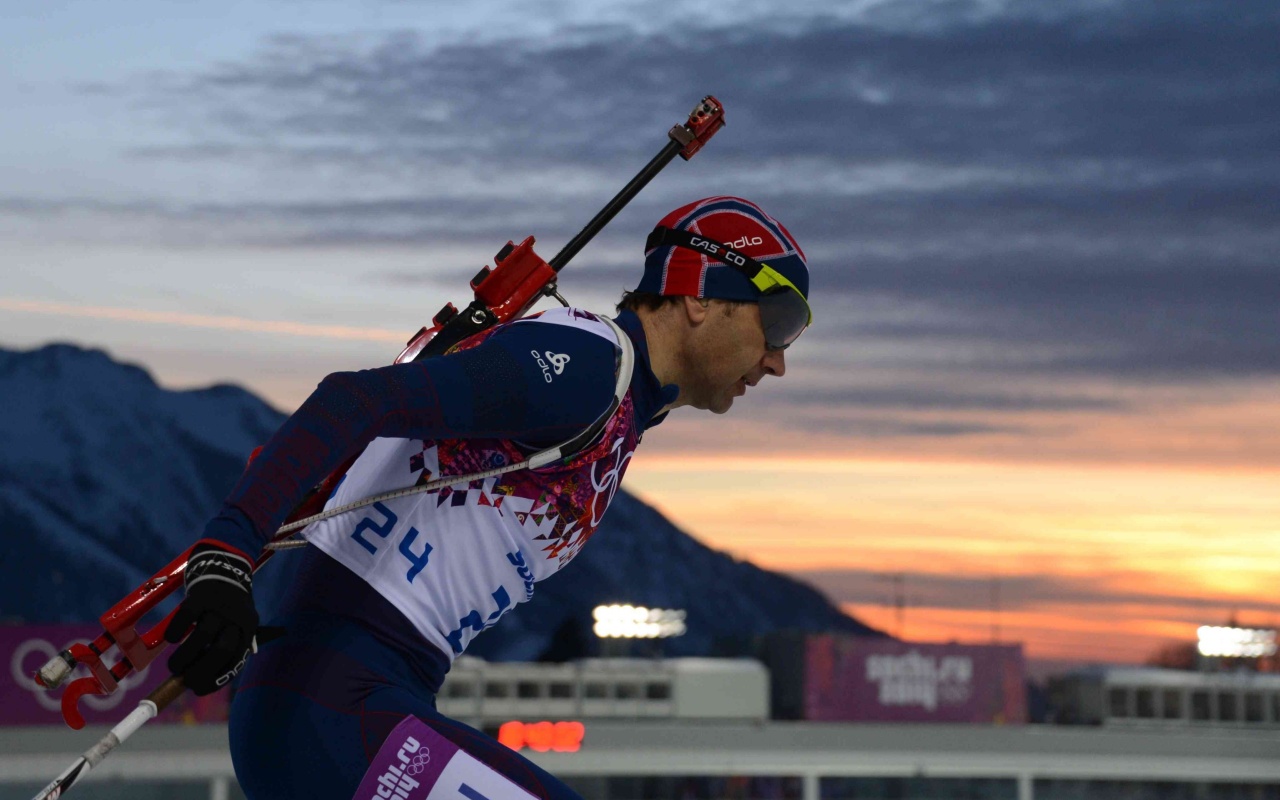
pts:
[26, 648]
[417, 763]
[859, 679]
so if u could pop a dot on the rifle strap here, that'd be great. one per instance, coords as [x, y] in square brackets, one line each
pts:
[563, 452]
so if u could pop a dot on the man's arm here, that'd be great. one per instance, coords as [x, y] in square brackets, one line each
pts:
[507, 387]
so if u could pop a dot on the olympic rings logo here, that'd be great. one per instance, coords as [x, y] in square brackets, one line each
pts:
[419, 762]
[607, 484]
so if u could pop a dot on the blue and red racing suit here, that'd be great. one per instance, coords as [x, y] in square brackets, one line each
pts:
[391, 593]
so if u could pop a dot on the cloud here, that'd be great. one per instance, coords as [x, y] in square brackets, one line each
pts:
[183, 320]
[1021, 592]
[1060, 189]
[915, 409]
[1135, 80]
[886, 426]
[932, 398]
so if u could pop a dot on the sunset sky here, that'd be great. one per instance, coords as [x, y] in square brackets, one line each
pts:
[1040, 397]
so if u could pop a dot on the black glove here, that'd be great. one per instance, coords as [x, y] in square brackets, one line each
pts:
[219, 602]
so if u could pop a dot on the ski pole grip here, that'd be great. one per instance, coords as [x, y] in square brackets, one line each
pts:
[167, 692]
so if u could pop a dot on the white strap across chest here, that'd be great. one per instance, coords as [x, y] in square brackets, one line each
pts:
[560, 452]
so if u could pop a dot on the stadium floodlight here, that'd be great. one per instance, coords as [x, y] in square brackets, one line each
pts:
[637, 622]
[1236, 642]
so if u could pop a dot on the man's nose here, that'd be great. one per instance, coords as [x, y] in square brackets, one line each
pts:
[774, 362]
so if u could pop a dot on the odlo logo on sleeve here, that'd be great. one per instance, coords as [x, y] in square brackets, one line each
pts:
[558, 360]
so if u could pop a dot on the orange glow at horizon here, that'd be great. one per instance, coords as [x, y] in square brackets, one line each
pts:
[1132, 523]
[1128, 558]
[1066, 633]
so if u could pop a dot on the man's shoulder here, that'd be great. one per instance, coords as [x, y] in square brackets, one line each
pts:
[564, 349]
[574, 331]
[573, 319]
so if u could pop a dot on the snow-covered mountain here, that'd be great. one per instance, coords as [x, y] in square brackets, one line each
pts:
[105, 476]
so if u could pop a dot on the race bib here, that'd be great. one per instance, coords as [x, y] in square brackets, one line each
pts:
[416, 763]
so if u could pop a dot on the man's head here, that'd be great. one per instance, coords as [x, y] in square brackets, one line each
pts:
[725, 291]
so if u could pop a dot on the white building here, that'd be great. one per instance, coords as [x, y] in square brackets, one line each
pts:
[699, 728]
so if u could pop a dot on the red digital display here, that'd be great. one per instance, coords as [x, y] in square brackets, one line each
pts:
[562, 737]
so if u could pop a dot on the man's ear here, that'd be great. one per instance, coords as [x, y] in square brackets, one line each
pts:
[696, 309]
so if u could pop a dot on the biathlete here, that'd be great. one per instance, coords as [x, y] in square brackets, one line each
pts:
[389, 595]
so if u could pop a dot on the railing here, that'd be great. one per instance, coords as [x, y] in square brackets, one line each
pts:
[824, 761]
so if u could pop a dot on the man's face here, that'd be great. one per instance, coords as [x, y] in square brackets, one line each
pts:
[727, 356]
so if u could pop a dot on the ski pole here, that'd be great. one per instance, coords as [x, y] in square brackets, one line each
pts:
[147, 709]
